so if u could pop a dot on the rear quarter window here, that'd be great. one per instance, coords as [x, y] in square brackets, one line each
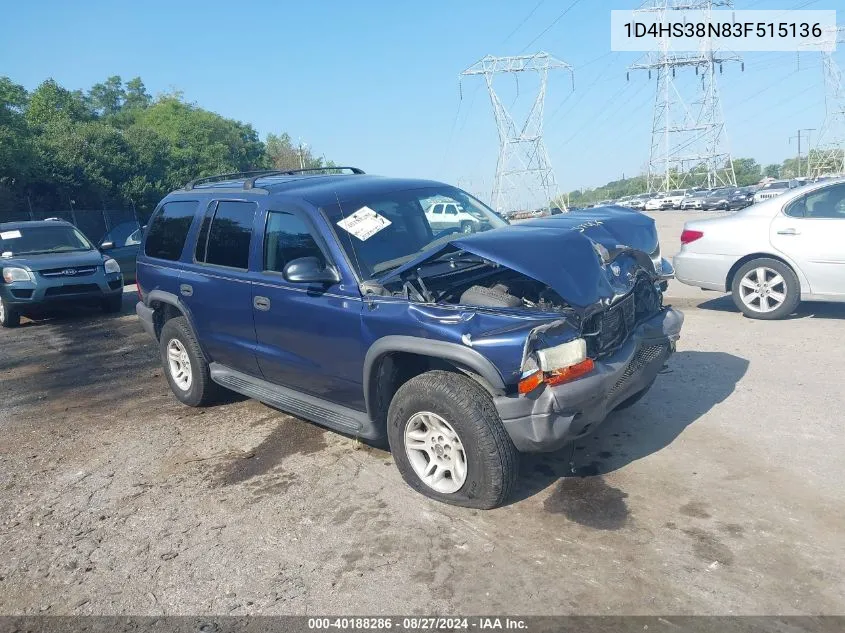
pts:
[168, 230]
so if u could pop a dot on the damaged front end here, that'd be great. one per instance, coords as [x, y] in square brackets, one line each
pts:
[574, 328]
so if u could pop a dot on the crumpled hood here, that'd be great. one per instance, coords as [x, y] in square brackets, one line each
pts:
[610, 226]
[564, 259]
[47, 261]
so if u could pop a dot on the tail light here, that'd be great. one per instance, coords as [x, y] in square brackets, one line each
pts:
[140, 292]
[690, 236]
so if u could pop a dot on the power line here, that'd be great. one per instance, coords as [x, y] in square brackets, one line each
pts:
[549, 27]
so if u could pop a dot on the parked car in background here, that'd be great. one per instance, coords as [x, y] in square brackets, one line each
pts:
[717, 200]
[694, 200]
[121, 243]
[638, 202]
[742, 197]
[774, 189]
[773, 254]
[50, 262]
[657, 202]
[331, 297]
[444, 216]
[674, 198]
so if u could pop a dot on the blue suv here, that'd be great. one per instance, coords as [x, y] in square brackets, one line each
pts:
[329, 294]
[51, 262]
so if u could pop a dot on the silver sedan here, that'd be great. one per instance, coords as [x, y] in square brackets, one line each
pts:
[771, 255]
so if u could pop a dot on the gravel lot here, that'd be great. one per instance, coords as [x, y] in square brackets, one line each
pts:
[719, 493]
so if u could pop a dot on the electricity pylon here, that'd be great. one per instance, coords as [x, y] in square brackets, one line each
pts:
[523, 160]
[688, 134]
[828, 157]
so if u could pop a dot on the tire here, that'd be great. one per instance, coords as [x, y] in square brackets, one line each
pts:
[112, 305]
[780, 280]
[630, 402]
[467, 227]
[9, 316]
[490, 460]
[200, 390]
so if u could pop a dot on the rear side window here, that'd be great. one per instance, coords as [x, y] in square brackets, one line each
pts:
[225, 235]
[287, 238]
[168, 230]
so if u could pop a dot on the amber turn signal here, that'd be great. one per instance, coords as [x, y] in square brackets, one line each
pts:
[572, 372]
[557, 377]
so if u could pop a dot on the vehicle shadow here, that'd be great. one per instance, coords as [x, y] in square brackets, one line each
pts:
[693, 383]
[811, 309]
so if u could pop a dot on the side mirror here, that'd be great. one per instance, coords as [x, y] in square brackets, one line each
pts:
[106, 246]
[309, 270]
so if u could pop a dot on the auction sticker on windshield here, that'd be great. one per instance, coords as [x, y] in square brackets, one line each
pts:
[364, 223]
[9, 235]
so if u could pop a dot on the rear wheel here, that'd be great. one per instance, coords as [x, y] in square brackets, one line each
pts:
[448, 442]
[766, 288]
[466, 227]
[9, 317]
[185, 366]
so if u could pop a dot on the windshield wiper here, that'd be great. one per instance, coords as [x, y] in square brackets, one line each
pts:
[399, 261]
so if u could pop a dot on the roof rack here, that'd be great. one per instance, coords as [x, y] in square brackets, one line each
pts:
[251, 176]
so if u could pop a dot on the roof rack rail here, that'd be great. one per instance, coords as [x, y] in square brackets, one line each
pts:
[251, 176]
[250, 183]
[231, 176]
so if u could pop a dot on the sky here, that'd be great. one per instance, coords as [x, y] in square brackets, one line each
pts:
[375, 83]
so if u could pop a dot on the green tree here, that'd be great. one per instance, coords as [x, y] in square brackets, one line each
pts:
[49, 103]
[136, 95]
[772, 171]
[107, 98]
[283, 154]
[747, 170]
[15, 148]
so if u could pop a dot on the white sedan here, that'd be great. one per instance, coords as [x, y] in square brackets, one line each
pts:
[771, 255]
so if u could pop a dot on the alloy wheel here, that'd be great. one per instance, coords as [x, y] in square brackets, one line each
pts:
[179, 364]
[762, 289]
[436, 452]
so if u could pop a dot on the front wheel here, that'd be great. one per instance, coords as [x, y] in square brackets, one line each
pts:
[766, 289]
[9, 317]
[449, 443]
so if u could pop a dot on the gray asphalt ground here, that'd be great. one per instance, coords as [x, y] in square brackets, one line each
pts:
[721, 492]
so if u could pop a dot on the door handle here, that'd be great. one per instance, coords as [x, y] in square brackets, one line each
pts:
[187, 290]
[261, 303]
[789, 232]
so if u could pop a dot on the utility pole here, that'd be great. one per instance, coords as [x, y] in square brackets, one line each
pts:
[808, 131]
[828, 158]
[301, 155]
[686, 133]
[523, 160]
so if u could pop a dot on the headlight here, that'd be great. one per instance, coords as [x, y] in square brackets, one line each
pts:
[561, 356]
[16, 274]
[112, 266]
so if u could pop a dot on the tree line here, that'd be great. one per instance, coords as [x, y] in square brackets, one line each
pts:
[116, 146]
[748, 172]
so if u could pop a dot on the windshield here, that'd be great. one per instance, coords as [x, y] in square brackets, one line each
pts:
[776, 185]
[383, 232]
[35, 240]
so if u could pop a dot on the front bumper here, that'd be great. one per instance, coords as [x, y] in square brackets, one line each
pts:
[46, 292]
[550, 417]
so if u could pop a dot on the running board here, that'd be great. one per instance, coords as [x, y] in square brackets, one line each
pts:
[324, 413]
